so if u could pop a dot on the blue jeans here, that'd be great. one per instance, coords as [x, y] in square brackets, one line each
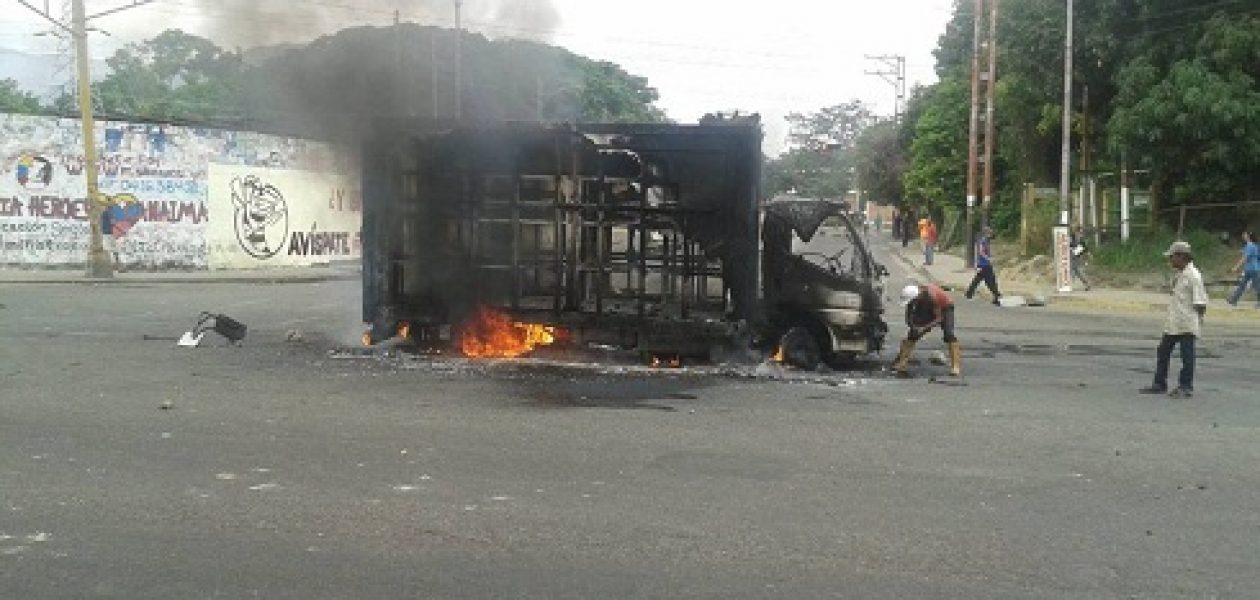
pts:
[1249, 277]
[1185, 380]
[928, 250]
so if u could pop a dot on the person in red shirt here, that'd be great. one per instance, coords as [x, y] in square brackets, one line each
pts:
[928, 306]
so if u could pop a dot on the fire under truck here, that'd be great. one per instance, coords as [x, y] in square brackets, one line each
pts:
[647, 237]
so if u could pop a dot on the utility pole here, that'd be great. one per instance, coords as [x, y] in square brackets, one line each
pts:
[989, 136]
[1065, 174]
[99, 262]
[893, 71]
[1063, 276]
[459, 62]
[973, 136]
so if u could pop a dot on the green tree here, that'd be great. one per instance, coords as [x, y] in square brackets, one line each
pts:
[1171, 84]
[1195, 121]
[831, 128]
[937, 170]
[173, 76]
[810, 173]
[822, 152]
[16, 100]
[331, 87]
[881, 163]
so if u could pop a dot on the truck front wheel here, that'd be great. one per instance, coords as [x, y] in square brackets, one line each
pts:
[800, 348]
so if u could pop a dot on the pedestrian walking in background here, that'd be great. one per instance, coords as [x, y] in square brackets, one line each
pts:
[922, 232]
[907, 228]
[896, 224]
[930, 236]
[1183, 325]
[879, 223]
[927, 306]
[1078, 251]
[1249, 264]
[984, 268]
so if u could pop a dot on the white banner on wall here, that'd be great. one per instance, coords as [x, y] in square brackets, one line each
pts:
[282, 218]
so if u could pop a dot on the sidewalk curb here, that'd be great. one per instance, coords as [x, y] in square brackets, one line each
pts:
[910, 265]
[172, 279]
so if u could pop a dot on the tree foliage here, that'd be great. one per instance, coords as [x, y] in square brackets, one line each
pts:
[15, 100]
[1168, 85]
[1196, 119]
[939, 145]
[881, 163]
[822, 152]
[338, 82]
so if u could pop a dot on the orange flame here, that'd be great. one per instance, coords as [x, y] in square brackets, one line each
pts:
[778, 354]
[493, 334]
[672, 362]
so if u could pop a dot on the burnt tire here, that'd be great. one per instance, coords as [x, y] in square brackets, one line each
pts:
[801, 349]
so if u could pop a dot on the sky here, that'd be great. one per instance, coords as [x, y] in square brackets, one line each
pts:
[771, 58]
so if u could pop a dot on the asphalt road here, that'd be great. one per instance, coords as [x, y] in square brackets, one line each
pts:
[286, 469]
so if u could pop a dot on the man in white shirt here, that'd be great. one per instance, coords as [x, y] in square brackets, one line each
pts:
[1184, 324]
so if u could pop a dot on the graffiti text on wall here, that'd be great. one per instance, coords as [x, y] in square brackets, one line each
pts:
[68, 209]
[320, 243]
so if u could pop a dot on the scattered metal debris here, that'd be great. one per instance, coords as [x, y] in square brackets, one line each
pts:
[229, 328]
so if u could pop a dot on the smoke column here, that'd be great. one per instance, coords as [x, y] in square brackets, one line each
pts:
[252, 23]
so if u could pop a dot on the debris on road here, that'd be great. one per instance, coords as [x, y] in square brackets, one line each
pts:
[231, 329]
[1012, 301]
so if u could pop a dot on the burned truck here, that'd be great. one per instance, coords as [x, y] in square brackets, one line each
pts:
[646, 237]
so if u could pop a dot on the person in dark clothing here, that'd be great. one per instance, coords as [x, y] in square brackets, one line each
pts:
[908, 226]
[1078, 251]
[984, 268]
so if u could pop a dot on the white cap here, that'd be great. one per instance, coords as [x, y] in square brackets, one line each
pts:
[908, 293]
[1178, 248]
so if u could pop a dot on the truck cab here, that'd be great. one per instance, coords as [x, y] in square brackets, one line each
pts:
[822, 289]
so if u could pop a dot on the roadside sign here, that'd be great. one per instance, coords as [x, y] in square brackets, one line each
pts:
[1062, 259]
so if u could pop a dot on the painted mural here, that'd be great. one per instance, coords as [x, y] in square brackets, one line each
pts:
[282, 217]
[155, 180]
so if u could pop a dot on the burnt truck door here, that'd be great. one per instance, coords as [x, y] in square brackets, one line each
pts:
[822, 288]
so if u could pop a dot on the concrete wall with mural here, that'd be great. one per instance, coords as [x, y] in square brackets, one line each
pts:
[163, 211]
[281, 217]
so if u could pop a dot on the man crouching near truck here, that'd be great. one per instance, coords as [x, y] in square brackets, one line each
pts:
[927, 306]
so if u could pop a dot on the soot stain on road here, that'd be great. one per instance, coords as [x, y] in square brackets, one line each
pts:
[1086, 350]
[644, 393]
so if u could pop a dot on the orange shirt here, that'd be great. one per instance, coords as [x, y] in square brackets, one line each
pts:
[939, 297]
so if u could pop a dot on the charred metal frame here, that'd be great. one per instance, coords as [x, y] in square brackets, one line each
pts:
[639, 235]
